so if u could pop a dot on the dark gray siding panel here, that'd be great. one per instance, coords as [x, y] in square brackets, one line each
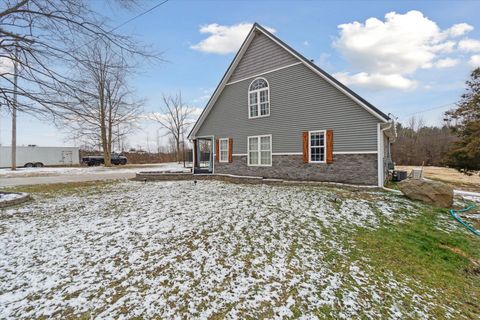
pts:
[262, 55]
[300, 101]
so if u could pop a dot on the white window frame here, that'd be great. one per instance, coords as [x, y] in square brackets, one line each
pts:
[257, 92]
[324, 146]
[220, 150]
[259, 151]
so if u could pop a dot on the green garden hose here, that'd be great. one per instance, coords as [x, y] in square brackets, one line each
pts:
[455, 215]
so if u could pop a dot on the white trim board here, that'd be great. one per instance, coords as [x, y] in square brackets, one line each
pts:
[264, 73]
[301, 153]
[355, 152]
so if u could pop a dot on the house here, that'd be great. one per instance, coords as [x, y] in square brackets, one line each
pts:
[275, 114]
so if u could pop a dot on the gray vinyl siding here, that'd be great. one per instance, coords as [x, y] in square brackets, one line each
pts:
[300, 100]
[262, 55]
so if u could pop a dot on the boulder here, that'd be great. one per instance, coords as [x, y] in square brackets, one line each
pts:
[433, 192]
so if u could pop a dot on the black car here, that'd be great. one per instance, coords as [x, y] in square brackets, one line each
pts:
[116, 159]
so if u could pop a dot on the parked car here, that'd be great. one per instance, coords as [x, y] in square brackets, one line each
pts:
[116, 159]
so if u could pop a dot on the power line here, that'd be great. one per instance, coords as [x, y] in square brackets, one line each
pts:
[127, 22]
[429, 109]
[139, 15]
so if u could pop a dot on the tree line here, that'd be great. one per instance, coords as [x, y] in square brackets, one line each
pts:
[456, 144]
[418, 144]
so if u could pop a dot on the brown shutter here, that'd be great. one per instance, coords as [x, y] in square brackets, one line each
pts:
[194, 156]
[329, 146]
[230, 150]
[305, 147]
[217, 150]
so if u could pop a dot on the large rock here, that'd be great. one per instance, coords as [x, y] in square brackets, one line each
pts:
[433, 192]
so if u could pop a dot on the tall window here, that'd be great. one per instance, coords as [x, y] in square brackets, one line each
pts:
[258, 99]
[316, 146]
[223, 150]
[260, 151]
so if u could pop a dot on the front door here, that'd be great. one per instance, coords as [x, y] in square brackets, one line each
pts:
[204, 156]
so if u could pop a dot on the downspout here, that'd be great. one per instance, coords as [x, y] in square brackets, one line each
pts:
[381, 154]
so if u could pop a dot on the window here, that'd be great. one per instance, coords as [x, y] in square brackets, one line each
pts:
[223, 149]
[260, 151]
[316, 146]
[258, 99]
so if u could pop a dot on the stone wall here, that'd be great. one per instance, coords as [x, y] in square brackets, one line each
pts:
[346, 168]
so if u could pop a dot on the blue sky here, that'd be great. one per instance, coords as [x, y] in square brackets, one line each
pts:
[416, 58]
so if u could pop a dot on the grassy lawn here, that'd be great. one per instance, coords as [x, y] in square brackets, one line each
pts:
[217, 250]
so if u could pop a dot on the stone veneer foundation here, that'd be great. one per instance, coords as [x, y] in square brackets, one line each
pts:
[346, 168]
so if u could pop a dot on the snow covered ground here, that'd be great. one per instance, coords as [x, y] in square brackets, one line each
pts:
[179, 250]
[47, 171]
[35, 176]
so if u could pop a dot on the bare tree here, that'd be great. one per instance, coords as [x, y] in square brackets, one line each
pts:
[46, 35]
[175, 119]
[105, 109]
[42, 38]
[418, 144]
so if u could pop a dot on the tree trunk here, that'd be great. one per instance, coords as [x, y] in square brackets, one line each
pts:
[103, 127]
[109, 132]
[178, 150]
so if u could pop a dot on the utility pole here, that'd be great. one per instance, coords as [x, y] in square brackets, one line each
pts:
[14, 112]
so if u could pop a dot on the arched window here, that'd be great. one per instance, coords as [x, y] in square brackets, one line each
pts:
[258, 98]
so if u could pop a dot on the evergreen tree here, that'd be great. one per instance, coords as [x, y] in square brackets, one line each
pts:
[465, 121]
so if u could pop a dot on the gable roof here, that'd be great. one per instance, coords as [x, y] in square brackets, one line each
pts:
[326, 76]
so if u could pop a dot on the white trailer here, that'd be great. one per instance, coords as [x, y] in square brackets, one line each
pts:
[34, 156]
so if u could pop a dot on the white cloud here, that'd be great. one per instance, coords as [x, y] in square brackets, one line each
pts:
[475, 61]
[469, 45]
[6, 65]
[459, 29]
[223, 39]
[196, 112]
[202, 99]
[389, 52]
[376, 80]
[446, 63]
[323, 60]
[306, 43]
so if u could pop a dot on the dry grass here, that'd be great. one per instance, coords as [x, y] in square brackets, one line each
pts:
[451, 176]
